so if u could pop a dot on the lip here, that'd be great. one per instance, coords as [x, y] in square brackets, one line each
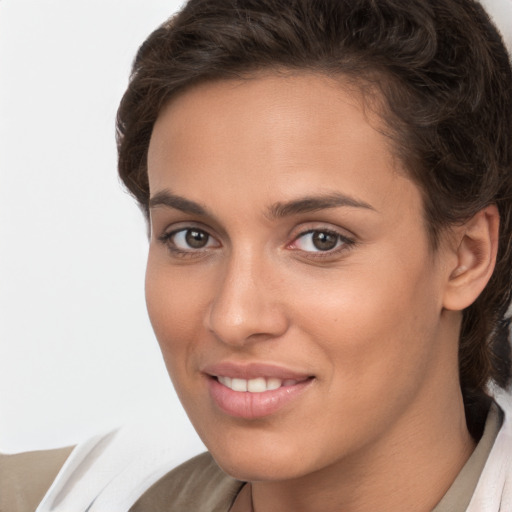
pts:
[251, 406]
[253, 371]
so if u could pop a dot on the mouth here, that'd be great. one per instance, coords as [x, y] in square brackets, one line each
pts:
[256, 390]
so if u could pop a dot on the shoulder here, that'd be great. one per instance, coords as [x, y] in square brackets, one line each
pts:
[494, 490]
[198, 484]
[25, 477]
[113, 470]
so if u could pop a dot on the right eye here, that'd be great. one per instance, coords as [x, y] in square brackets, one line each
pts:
[189, 240]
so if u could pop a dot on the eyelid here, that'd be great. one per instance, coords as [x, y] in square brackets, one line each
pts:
[175, 227]
[315, 226]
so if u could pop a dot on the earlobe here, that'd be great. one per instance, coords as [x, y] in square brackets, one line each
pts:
[476, 250]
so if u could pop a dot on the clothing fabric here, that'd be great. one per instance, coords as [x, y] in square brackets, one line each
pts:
[493, 492]
[110, 472]
[25, 478]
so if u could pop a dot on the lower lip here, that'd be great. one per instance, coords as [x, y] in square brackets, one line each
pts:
[249, 405]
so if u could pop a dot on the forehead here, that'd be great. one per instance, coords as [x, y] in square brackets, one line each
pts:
[298, 96]
[290, 132]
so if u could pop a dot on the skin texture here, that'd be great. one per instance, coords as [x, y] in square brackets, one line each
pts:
[374, 321]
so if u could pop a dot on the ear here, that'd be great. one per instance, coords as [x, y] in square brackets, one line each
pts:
[476, 248]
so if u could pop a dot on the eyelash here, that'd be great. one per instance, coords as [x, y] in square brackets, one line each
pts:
[343, 243]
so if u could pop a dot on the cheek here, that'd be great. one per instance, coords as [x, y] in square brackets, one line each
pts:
[375, 323]
[375, 338]
[175, 310]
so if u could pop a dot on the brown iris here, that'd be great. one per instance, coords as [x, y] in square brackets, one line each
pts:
[324, 241]
[196, 238]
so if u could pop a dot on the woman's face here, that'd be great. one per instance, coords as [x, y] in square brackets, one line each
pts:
[290, 281]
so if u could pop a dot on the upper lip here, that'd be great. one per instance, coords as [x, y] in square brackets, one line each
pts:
[253, 370]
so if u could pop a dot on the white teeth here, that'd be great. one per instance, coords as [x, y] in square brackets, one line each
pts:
[273, 383]
[238, 384]
[225, 380]
[257, 385]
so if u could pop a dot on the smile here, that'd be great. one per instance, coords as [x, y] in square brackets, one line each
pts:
[257, 385]
[255, 397]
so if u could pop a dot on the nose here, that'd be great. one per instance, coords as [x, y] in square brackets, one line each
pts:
[246, 306]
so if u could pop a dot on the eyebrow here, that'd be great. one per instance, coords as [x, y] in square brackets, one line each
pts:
[165, 198]
[310, 204]
[278, 210]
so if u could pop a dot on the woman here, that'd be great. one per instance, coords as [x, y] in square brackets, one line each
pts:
[328, 189]
[328, 186]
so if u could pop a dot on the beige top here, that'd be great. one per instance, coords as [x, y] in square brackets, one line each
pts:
[200, 485]
[25, 478]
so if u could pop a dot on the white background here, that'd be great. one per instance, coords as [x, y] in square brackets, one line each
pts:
[77, 354]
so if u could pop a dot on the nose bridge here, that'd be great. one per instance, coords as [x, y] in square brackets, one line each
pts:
[244, 302]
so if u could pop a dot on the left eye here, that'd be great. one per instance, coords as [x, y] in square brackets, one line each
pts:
[190, 239]
[319, 241]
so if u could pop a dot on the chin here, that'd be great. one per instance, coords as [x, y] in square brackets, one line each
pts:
[261, 461]
[258, 469]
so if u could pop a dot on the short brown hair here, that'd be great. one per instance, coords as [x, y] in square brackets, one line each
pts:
[445, 77]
